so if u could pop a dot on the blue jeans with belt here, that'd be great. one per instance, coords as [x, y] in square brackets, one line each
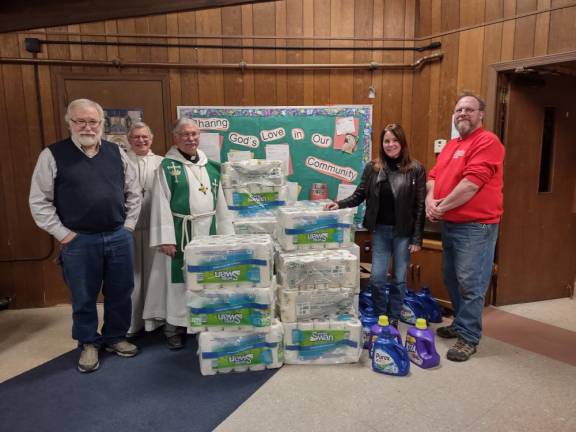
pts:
[384, 245]
[467, 259]
[91, 262]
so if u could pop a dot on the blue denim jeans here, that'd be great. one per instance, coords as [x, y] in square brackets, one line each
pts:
[91, 262]
[468, 255]
[384, 245]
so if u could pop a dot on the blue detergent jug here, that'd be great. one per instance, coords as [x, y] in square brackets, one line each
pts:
[368, 318]
[433, 311]
[365, 301]
[412, 308]
[390, 357]
[375, 331]
[420, 345]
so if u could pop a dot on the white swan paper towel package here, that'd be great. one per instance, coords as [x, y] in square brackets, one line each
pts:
[229, 261]
[330, 303]
[302, 226]
[233, 351]
[254, 185]
[257, 224]
[230, 309]
[323, 341]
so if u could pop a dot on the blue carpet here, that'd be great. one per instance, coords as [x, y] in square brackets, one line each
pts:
[158, 390]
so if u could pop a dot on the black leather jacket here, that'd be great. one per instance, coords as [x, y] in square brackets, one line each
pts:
[409, 189]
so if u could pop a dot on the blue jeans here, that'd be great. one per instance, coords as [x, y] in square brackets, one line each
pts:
[91, 262]
[468, 256]
[384, 245]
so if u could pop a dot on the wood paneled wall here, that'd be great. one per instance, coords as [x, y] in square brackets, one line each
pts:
[421, 101]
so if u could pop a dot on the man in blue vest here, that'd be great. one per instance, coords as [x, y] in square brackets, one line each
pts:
[84, 192]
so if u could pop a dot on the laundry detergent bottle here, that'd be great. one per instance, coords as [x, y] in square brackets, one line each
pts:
[376, 330]
[389, 357]
[368, 319]
[420, 345]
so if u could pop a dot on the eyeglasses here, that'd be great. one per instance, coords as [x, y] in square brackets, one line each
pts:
[464, 110]
[84, 123]
[188, 134]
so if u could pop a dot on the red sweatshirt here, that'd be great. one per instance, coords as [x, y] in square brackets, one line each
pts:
[478, 158]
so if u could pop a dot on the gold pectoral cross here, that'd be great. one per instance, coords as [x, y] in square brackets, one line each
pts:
[203, 189]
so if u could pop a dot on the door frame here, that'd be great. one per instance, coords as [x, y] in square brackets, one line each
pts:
[495, 107]
[62, 103]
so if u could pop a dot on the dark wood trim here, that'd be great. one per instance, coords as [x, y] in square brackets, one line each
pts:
[31, 14]
[63, 101]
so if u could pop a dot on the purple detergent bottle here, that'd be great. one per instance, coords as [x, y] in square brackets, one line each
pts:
[376, 331]
[420, 345]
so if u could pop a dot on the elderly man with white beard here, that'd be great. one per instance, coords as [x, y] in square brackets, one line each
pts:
[85, 193]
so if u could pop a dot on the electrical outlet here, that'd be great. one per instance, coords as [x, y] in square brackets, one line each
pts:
[439, 145]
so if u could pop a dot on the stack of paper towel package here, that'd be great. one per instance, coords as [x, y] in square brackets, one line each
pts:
[317, 269]
[231, 298]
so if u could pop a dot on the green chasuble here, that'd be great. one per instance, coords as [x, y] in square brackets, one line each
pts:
[175, 175]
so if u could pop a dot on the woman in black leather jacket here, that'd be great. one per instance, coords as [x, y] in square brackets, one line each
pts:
[394, 188]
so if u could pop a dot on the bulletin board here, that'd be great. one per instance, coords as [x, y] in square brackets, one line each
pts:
[321, 145]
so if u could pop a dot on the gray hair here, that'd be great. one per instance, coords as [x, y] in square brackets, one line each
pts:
[182, 122]
[78, 103]
[481, 103]
[140, 125]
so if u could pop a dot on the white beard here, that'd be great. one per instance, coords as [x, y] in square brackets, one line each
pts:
[88, 140]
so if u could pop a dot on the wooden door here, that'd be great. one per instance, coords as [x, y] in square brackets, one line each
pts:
[537, 245]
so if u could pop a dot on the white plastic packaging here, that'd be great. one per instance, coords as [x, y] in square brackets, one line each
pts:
[228, 261]
[323, 341]
[230, 351]
[304, 226]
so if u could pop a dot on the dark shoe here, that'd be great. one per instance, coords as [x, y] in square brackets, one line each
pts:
[175, 342]
[447, 332]
[461, 351]
[88, 361]
[123, 349]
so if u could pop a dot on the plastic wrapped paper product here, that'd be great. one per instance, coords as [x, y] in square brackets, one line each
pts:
[234, 351]
[323, 341]
[254, 185]
[309, 270]
[302, 227]
[330, 303]
[229, 261]
[257, 224]
[230, 309]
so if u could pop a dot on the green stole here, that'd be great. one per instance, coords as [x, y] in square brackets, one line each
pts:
[175, 175]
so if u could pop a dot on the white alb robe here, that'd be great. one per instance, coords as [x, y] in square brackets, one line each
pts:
[169, 300]
[143, 255]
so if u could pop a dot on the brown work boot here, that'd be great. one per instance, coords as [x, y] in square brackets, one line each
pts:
[461, 351]
[447, 332]
[88, 361]
[123, 349]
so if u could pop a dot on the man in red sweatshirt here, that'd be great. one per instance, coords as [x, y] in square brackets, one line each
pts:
[464, 191]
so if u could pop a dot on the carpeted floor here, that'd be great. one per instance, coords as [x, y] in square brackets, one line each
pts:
[157, 390]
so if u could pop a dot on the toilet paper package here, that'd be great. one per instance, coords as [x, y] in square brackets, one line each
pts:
[230, 309]
[256, 224]
[229, 261]
[229, 351]
[302, 227]
[330, 303]
[309, 270]
[323, 341]
[254, 185]
[262, 172]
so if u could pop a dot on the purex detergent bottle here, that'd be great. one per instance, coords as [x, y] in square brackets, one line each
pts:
[412, 308]
[368, 319]
[433, 312]
[389, 356]
[420, 345]
[377, 329]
